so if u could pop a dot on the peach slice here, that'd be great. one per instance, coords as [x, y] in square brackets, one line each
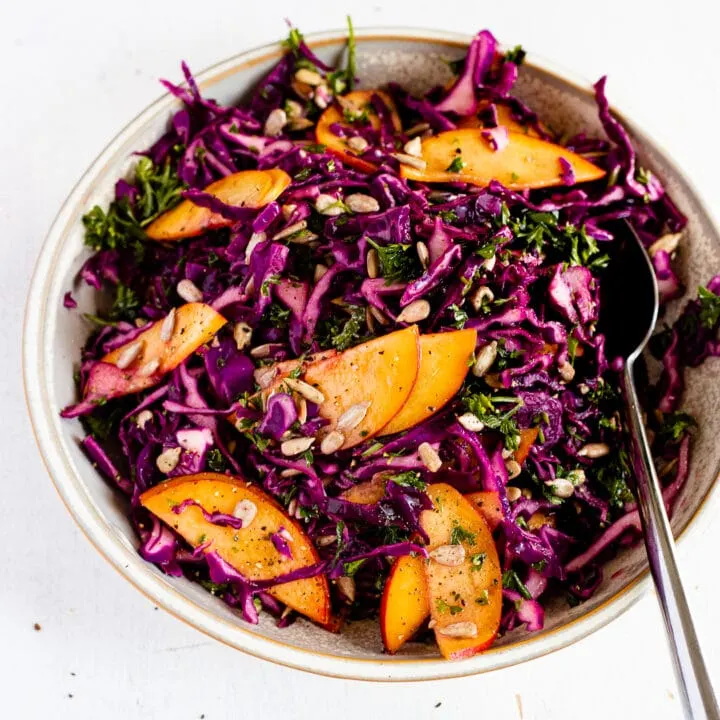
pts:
[405, 605]
[140, 363]
[525, 162]
[527, 438]
[504, 117]
[365, 387]
[245, 189]
[443, 367]
[487, 503]
[357, 101]
[463, 574]
[250, 549]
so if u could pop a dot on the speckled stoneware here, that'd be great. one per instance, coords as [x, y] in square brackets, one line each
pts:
[54, 336]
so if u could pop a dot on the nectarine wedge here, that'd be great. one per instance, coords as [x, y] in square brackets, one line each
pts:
[443, 367]
[504, 118]
[525, 162]
[527, 438]
[487, 503]
[463, 574]
[357, 102]
[245, 189]
[140, 363]
[404, 606]
[249, 549]
[365, 386]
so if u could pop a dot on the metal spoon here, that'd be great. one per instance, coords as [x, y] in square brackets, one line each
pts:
[629, 313]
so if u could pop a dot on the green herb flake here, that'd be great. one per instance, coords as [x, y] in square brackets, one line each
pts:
[478, 560]
[709, 308]
[456, 166]
[398, 263]
[511, 581]
[459, 535]
[409, 478]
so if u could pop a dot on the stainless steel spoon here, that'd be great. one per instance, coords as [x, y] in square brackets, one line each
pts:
[628, 316]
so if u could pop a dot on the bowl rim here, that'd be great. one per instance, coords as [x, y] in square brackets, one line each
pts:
[126, 560]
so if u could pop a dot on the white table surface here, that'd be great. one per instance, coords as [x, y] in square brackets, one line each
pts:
[71, 75]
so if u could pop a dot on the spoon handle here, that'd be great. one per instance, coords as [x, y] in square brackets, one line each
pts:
[697, 693]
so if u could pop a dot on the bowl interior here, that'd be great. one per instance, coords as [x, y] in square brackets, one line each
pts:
[54, 337]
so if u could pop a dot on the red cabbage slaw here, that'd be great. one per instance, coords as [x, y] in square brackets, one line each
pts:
[297, 276]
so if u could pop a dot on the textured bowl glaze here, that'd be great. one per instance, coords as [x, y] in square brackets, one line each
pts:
[53, 338]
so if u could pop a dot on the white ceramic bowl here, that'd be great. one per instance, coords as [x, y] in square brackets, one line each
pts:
[53, 338]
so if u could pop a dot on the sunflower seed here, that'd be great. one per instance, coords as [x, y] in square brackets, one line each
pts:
[471, 422]
[189, 291]
[300, 123]
[576, 477]
[566, 372]
[167, 461]
[414, 312]
[287, 210]
[423, 254]
[289, 472]
[306, 390]
[325, 540]
[353, 416]
[594, 450]
[484, 359]
[410, 161]
[372, 263]
[332, 442]
[129, 355]
[513, 493]
[290, 230]
[489, 263]
[378, 315]
[561, 487]
[261, 351]
[481, 296]
[143, 418]
[309, 77]
[429, 457]
[320, 270]
[292, 508]
[417, 129]
[245, 510]
[264, 376]
[357, 143]
[168, 326]
[149, 368]
[459, 630]
[360, 203]
[303, 90]
[296, 445]
[450, 555]
[346, 585]
[513, 469]
[293, 109]
[414, 147]
[140, 322]
[369, 321]
[276, 121]
[505, 453]
[242, 334]
[669, 243]
[329, 205]
[303, 238]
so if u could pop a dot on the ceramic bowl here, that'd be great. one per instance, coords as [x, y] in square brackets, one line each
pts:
[53, 338]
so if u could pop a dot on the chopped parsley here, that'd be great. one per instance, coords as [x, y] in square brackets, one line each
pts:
[350, 568]
[216, 461]
[398, 262]
[709, 308]
[343, 332]
[675, 426]
[460, 317]
[442, 607]
[457, 165]
[615, 477]
[448, 216]
[478, 560]
[484, 407]
[409, 478]
[516, 55]
[459, 535]
[278, 316]
[511, 581]
[125, 305]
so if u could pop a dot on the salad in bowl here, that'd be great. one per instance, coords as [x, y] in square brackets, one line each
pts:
[352, 365]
